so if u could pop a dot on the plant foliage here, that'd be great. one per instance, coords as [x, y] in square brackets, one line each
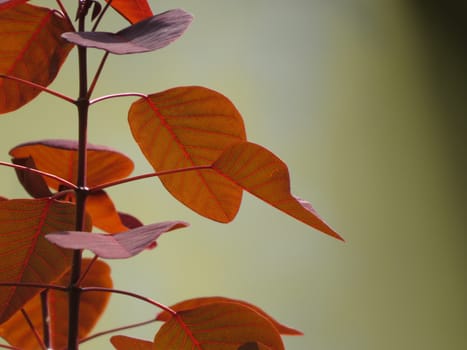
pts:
[192, 136]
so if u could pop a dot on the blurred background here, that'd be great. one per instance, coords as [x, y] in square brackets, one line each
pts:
[366, 102]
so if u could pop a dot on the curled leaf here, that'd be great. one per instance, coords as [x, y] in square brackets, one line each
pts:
[148, 35]
[117, 246]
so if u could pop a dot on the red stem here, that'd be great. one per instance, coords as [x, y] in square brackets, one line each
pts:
[33, 285]
[145, 176]
[40, 87]
[43, 173]
[123, 94]
[34, 330]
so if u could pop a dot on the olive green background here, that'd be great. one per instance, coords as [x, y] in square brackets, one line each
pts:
[366, 102]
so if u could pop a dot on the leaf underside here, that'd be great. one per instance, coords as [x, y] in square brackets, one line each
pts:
[118, 246]
[31, 49]
[17, 332]
[148, 35]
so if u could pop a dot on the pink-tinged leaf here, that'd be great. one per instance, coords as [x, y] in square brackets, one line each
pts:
[6, 4]
[133, 10]
[60, 157]
[92, 305]
[197, 302]
[260, 172]
[117, 246]
[149, 35]
[185, 127]
[26, 256]
[217, 326]
[31, 49]
[121, 342]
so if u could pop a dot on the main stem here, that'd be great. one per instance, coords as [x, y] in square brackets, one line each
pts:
[81, 192]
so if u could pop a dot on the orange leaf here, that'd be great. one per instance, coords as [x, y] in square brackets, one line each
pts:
[26, 256]
[60, 157]
[103, 213]
[217, 326]
[261, 173]
[133, 10]
[31, 49]
[17, 332]
[186, 127]
[197, 302]
[6, 4]
[254, 346]
[121, 342]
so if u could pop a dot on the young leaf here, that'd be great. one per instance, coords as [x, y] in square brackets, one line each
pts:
[121, 342]
[32, 49]
[149, 35]
[261, 173]
[186, 127]
[60, 157]
[26, 255]
[197, 302]
[17, 332]
[133, 10]
[118, 246]
[217, 326]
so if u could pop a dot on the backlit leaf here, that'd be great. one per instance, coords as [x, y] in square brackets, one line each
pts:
[133, 10]
[103, 213]
[197, 302]
[6, 4]
[186, 127]
[32, 49]
[118, 246]
[148, 35]
[260, 172]
[60, 157]
[17, 332]
[26, 255]
[217, 326]
[121, 342]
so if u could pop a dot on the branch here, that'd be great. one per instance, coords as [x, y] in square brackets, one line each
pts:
[145, 176]
[40, 87]
[133, 295]
[97, 75]
[123, 94]
[113, 330]
[33, 285]
[40, 172]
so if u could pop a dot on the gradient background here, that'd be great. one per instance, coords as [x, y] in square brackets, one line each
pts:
[366, 102]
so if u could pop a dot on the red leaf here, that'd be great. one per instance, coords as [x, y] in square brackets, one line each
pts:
[260, 172]
[118, 246]
[31, 49]
[197, 302]
[133, 10]
[149, 35]
[121, 342]
[34, 184]
[186, 127]
[92, 305]
[26, 256]
[254, 346]
[217, 326]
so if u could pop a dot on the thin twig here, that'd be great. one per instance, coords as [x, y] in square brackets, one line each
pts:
[64, 11]
[123, 94]
[97, 75]
[40, 172]
[98, 20]
[33, 285]
[83, 275]
[40, 87]
[33, 329]
[149, 175]
[113, 330]
[130, 294]
[45, 317]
